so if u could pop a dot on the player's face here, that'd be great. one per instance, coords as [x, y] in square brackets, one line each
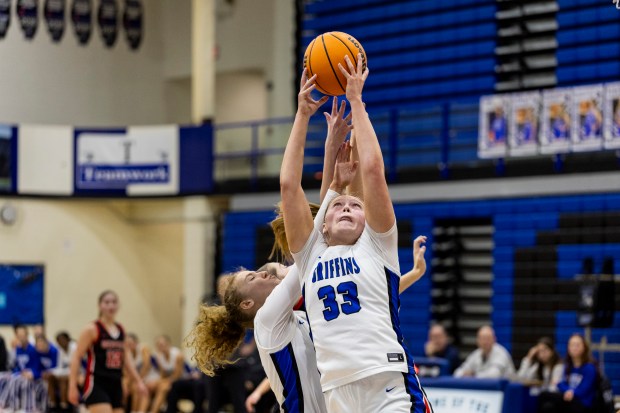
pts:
[277, 269]
[575, 347]
[109, 305]
[344, 220]
[21, 335]
[256, 286]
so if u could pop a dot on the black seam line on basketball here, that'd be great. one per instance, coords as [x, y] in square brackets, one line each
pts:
[330, 63]
[345, 45]
[310, 67]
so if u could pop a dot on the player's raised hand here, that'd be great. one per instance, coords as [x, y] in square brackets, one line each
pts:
[356, 77]
[345, 169]
[419, 262]
[338, 126]
[306, 104]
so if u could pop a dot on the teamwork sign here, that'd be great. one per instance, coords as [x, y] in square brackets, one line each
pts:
[464, 401]
[137, 161]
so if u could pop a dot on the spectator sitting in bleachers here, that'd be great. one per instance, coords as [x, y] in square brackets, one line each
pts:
[170, 363]
[191, 387]
[65, 347]
[438, 345]
[145, 363]
[489, 360]
[541, 367]
[48, 359]
[23, 390]
[578, 388]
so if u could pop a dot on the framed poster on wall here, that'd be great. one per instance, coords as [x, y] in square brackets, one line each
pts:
[524, 124]
[587, 130]
[611, 128]
[493, 126]
[555, 132]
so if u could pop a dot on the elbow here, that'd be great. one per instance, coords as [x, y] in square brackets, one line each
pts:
[372, 167]
[287, 185]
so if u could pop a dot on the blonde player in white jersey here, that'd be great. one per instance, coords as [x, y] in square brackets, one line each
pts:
[350, 274]
[282, 334]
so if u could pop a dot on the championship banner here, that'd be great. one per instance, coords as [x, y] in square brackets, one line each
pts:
[611, 128]
[81, 16]
[464, 401]
[5, 17]
[555, 134]
[587, 128]
[524, 124]
[137, 161]
[107, 17]
[27, 13]
[54, 13]
[132, 22]
[493, 126]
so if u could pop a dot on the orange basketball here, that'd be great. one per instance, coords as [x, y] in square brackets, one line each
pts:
[323, 55]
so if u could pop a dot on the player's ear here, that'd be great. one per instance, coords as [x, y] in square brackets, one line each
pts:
[246, 304]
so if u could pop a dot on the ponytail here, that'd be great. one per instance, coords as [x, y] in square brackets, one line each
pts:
[218, 331]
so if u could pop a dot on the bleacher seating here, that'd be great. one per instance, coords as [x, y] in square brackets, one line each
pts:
[415, 49]
[587, 49]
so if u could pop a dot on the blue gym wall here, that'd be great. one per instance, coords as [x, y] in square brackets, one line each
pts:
[519, 224]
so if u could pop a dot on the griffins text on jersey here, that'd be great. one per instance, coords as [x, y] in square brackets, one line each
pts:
[335, 268]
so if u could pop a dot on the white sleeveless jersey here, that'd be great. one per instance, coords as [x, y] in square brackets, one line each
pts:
[286, 351]
[352, 303]
[167, 365]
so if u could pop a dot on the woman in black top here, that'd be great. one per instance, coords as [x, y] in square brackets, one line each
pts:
[103, 342]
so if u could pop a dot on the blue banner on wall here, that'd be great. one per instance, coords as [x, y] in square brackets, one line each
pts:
[21, 294]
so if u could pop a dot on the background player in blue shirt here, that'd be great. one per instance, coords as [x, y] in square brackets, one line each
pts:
[27, 361]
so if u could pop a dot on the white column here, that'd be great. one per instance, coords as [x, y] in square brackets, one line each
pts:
[203, 60]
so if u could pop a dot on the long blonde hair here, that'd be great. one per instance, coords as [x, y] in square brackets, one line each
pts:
[219, 330]
[280, 249]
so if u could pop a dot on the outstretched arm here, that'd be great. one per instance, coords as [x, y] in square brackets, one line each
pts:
[338, 127]
[378, 208]
[419, 265]
[298, 222]
[356, 188]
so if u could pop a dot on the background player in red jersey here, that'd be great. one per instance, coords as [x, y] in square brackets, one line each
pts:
[104, 344]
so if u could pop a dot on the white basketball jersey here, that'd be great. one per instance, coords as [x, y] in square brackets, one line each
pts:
[351, 297]
[286, 351]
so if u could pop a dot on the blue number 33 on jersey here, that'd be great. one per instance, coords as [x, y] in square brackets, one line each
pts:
[348, 291]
